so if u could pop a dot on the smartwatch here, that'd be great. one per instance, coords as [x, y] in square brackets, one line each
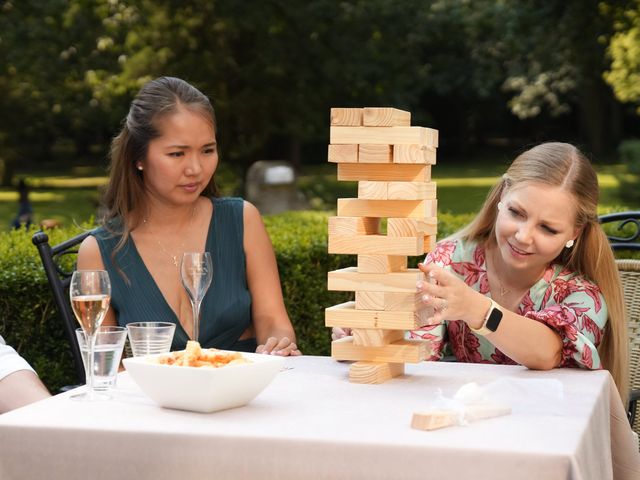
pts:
[491, 320]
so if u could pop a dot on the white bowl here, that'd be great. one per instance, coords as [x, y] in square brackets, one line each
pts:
[202, 389]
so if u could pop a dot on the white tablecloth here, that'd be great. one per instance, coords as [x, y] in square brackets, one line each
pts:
[312, 423]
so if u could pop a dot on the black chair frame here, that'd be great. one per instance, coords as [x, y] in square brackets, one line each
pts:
[59, 280]
[630, 241]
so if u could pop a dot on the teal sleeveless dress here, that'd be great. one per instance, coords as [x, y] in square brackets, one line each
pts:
[226, 307]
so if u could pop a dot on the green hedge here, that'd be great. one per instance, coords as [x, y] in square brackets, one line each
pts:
[29, 321]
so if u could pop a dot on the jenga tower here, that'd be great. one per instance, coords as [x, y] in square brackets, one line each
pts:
[391, 161]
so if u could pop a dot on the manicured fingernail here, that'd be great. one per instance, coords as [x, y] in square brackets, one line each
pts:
[419, 285]
[426, 298]
[432, 274]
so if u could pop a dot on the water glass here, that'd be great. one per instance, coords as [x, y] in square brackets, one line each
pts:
[147, 338]
[106, 355]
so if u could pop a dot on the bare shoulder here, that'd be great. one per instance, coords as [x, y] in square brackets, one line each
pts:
[251, 215]
[89, 256]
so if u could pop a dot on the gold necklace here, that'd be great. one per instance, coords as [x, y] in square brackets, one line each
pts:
[503, 291]
[174, 258]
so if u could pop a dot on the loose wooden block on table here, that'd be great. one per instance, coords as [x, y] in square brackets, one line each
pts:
[371, 153]
[346, 116]
[420, 154]
[385, 117]
[343, 153]
[382, 263]
[349, 280]
[356, 207]
[402, 351]
[384, 135]
[354, 226]
[374, 372]
[375, 337]
[409, 227]
[375, 244]
[346, 315]
[445, 418]
[384, 172]
[411, 190]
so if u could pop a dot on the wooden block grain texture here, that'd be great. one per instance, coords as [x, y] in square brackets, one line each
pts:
[385, 117]
[402, 351]
[384, 135]
[349, 280]
[346, 116]
[343, 153]
[384, 172]
[346, 315]
[356, 207]
[374, 372]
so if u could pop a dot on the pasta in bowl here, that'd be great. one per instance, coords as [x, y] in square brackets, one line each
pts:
[203, 380]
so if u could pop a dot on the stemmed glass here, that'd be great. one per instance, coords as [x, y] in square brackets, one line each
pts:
[90, 293]
[196, 272]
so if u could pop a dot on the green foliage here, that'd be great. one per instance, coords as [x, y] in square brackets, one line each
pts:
[624, 50]
[629, 179]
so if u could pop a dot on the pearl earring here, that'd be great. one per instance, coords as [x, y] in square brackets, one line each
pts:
[569, 244]
[140, 167]
[500, 206]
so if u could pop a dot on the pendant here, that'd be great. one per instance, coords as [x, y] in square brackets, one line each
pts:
[175, 260]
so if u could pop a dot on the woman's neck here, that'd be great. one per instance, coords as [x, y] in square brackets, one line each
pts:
[169, 217]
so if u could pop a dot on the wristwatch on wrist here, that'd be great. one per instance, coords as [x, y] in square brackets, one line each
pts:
[491, 320]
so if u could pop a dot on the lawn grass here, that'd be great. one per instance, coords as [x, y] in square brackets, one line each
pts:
[71, 197]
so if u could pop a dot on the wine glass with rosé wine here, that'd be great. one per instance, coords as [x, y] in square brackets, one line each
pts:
[90, 293]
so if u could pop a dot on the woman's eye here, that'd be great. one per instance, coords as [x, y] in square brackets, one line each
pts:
[514, 212]
[549, 229]
[176, 154]
[210, 150]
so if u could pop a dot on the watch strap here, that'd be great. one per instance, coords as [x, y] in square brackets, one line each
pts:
[484, 330]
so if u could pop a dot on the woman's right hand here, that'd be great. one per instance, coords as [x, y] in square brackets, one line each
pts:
[340, 332]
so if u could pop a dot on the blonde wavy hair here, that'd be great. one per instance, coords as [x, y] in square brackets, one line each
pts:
[563, 165]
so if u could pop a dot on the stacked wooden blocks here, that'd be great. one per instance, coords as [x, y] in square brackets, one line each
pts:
[391, 160]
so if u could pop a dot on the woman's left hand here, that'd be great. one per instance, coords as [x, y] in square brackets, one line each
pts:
[450, 297]
[284, 347]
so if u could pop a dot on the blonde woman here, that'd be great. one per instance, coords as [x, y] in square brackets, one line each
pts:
[532, 280]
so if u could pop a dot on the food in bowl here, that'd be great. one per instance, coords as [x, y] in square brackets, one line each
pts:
[195, 356]
[203, 389]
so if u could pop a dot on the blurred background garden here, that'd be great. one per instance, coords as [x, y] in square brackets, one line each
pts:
[493, 76]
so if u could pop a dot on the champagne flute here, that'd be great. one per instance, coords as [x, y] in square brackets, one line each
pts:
[196, 272]
[90, 293]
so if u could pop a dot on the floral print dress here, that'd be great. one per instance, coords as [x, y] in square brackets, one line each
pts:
[565, 301]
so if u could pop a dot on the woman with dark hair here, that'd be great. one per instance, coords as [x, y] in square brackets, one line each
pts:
[161, 201]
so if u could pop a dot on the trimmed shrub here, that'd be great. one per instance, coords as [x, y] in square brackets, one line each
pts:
[29, 319]
[629, 179]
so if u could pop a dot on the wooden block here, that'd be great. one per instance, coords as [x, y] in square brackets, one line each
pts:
[411, 190]
[385, 117]
[384, 172]
[387, 301]
[372, 190]
[346, 315]
[429, 243]
[375, 245]
[349, 280]
[381, 263]
[420, 154]
[409, 227]
[343, 153]
[402, 351]
[374, 372]
[375, 337]
[346, 116]
[445, 418]
[356, 207]
[354, 225]
[384, 135]
[370, 153]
